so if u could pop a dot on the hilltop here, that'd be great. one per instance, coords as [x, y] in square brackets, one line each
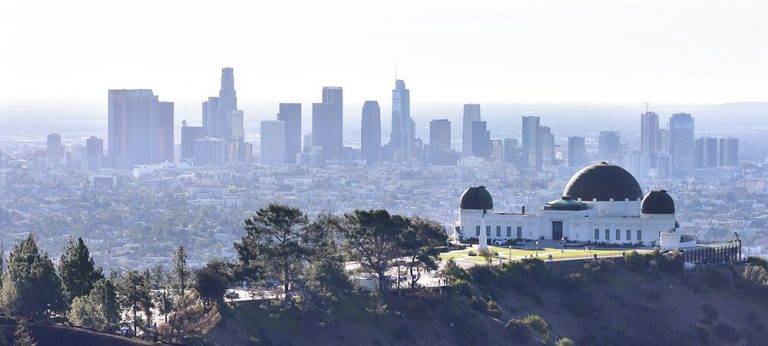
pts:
[639, 300]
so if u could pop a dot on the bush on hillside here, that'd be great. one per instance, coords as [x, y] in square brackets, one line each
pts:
[635, 261]
[564, 342]
[493, 309]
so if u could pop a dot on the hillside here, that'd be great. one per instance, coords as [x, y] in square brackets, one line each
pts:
[607, 302]
[61, 335]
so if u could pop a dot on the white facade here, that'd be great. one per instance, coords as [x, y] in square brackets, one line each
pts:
[612, 222]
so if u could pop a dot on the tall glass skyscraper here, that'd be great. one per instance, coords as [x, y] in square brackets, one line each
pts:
[370, 132]
[401, 138]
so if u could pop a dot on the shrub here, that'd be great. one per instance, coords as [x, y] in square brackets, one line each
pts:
[520, 332]
[452, 272]
[471, 253]
[538, 325]
[634, 260]
[564, 342]
[493, 309]
[477, 303]
[462, 287]
[574, 281]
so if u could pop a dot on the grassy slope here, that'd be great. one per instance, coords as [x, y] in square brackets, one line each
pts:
[610, 305]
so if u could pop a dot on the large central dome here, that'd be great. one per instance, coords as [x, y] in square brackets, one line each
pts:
[603, 181]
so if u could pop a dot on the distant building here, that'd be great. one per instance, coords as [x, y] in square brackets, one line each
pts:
[54, 150]
[440, 134]
[609, 145]
[370, 132]
[511, 152]
[273, 142]
[223, 120]
[189, 134]
[729, 152]
[328, 123]
[681, 142]
[94, 148]
[471, 114]
[209, 152]
[532, 149]
[577, 151]
[481, 139]
[706, 153]
[401, 138]
[547, 145]
[290, 114]
[138, 128]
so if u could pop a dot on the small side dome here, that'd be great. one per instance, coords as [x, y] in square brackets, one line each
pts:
[477, 198]
[657, 202]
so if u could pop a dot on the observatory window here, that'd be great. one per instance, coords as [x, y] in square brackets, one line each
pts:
[629, 234]
[519, 232]
[639, 235]
[618, 234]
[477, 230]
[509, 231]
[498, 231]
[487, 231]
[597, 234]
[607, 234]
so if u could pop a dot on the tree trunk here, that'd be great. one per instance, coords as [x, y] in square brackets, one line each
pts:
[285, 280]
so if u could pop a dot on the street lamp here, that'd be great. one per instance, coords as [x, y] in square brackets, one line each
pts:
[562, 244]
[537, 248]
[510, 253]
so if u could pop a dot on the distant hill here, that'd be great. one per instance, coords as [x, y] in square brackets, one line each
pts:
[606, 302]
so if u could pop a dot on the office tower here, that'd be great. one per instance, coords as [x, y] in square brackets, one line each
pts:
[54, 150]
[496, 150]
[532, 150]
[663, 141]
[209, 151]
[729, 152]
[662, 166]
[138, 128]
[328, 123]
[210, 111]
[272, 142]
[94, 148]
[401, 137]
[577, 151]
[706, 154]
[681, 142]
[609, 145]
[290, 114]
[307, 144]
[227, 105]
[77, 159]
[188, 136]
[440, 134]
[547, 145]
[162, 148]
[237, 126]
[649, 133]
[511, 151]
[471, 114]
[370, 132]
[481, 139]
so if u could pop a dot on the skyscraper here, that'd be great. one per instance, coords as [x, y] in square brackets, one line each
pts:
[609, 145]
[94, 148]
[681, 142]
[471, 114]
[209, 152]
[138, 128]
[162, 149]
[290, 114]
[532, 149]
[481, 139]
[729, 151]
[272, 142]
[223, 120]
[577, 151]
[328, 123]
[440, 134]
[401, 138]
[54, 150]
[370, 132]
[547, 145]
[188, 136]
[511, 151]
[649, 133]
[706, 153]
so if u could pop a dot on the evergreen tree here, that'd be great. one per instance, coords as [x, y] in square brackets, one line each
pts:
[134, 294]
[420, 245]
[278, 240]
[373, 239]
[77, 270]
[181, 272]
[211, 284]
[104, 294]
[31, 288]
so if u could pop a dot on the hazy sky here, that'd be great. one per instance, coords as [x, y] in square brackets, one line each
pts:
[447, 51]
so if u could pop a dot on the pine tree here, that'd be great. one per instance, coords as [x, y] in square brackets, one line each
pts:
[31, 288]
[181, 272]
[76, 269]
[134, 294]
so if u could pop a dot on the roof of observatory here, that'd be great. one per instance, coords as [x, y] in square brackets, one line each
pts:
[603, 181]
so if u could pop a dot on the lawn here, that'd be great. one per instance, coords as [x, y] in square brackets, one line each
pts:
[556, 253]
